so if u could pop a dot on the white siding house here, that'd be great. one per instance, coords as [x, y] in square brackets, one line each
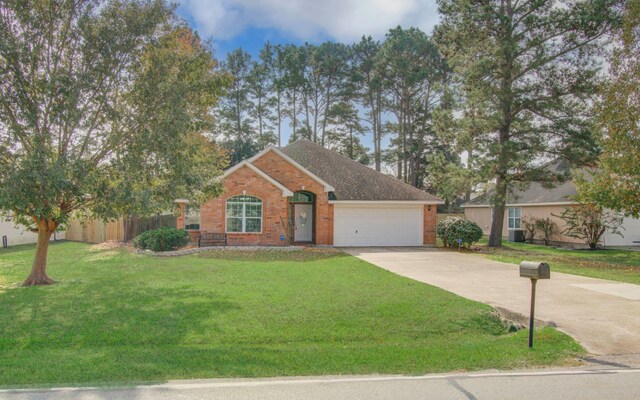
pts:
[18, 234]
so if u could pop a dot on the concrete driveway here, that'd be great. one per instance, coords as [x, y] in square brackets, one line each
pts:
[604, 316]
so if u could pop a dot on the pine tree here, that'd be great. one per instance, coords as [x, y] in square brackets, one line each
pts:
[535, 65]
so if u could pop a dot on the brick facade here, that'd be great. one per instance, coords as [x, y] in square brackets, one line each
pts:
[295, 180]
[276, 209]
[429, 225]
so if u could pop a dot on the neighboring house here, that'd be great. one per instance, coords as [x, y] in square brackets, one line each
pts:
[17, 234]
[306, 194]
[539, 202]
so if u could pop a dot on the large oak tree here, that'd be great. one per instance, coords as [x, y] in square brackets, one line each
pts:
[103, 106]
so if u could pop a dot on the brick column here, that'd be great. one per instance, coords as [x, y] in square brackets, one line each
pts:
[429, 224]
[180, 218]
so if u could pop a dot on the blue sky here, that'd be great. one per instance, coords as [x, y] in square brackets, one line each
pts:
[250, 23]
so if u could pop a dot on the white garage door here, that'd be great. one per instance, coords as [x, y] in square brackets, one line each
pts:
[378, 225]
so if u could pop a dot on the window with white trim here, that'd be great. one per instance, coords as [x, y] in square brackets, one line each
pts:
[191, 217]
[514, 216]
[244, 214]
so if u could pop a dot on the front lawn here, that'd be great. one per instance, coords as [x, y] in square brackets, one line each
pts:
[616, 265]
[117, 318]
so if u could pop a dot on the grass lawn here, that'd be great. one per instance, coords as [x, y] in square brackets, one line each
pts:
[119, 318]
[616, 265]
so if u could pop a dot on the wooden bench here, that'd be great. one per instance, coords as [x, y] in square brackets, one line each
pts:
[207, 239]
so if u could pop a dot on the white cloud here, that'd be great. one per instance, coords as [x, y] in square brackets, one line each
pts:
[342, 20]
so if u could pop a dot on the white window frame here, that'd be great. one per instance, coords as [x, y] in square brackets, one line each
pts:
[244, 215]
[186, 206]
[514, 218]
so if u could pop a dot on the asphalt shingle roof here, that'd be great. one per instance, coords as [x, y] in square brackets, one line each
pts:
[352, 180]
[535, 193]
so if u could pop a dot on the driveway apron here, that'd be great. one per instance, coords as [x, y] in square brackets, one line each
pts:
[604, 316]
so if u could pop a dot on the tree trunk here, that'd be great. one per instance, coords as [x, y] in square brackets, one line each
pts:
[376, 151]
[38, 274]
[295, 118]
[467, 195]
[316, 113]
[308, 120]
[379, 138]
[326, 109]
[260, 117]
[279, 120]
[351, 143]
[499, 204]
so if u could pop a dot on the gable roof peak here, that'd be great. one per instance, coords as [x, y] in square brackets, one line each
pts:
[352, 180]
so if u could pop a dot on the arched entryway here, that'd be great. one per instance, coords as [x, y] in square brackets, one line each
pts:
[302, 213]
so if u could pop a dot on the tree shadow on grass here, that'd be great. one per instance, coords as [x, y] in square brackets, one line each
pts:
[304, 255]
[87, 333]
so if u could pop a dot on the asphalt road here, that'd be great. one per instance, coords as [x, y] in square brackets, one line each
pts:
[619, 384]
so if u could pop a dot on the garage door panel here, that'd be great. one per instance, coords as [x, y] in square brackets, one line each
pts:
[378, 226]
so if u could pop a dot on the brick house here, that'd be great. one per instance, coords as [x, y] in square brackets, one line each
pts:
[307, 194]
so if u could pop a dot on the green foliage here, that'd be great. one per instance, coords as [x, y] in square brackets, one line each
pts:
[442, 230]
[72, 144]
[162, 239]
[124, 319]
[616, 184]
[547, 227]
[343, 136]
[616, 265]
[416, 76]
[529, 71]
[236, 110]
[368, 89]
[588, 222]
[457, 232]
[333, 93]
[449, 179]
[103, 110]
[530, 228]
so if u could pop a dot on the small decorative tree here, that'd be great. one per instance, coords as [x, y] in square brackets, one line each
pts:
[589, 222]
[530, 228]
[547, 227]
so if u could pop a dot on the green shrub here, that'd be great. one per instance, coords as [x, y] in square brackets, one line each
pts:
[548, 229]
[456, 232]
[443, 228]
[530, 227]
[162, 239]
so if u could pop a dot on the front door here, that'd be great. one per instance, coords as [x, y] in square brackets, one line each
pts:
[303, 214]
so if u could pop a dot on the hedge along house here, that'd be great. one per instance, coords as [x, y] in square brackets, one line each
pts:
[537, 201]
[306, 194]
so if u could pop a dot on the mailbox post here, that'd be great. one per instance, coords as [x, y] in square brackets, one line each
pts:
[534, 271]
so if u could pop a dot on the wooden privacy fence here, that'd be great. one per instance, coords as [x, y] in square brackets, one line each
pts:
[122, 229]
